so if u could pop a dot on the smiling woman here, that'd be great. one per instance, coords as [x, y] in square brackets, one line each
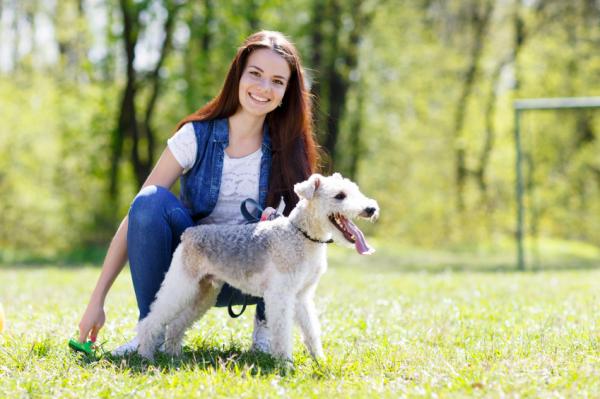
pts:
[253, 140]
[263, 82]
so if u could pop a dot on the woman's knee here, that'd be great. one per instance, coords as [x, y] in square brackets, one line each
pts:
[149, 205]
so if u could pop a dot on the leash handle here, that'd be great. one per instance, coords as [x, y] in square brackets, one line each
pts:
[232, 314]
[250, 218]
[264, 214]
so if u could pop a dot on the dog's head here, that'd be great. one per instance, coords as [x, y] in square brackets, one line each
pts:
[335, 202]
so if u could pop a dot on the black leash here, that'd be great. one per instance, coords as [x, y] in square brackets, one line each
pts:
[253, 219]
[250, 218]
[230, 308]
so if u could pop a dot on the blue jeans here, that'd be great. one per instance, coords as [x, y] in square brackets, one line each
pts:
[156, 221]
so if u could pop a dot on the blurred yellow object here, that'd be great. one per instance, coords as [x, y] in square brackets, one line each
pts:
[1, 318]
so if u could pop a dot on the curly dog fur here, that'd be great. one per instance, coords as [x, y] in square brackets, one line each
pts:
[280, 260]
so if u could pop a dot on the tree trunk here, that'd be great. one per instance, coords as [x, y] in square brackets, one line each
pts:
[127, 123]
[490, 110]
[342, 61]
[253, 15]
[355, 144]
[146, 128]
[480, 25]
[129, 127]
[197, 57]
[316, 69]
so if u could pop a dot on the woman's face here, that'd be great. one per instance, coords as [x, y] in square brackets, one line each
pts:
[263, 82]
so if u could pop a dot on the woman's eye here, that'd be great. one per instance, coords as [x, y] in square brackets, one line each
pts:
[254, 73]
[340, 196]
[278, 82]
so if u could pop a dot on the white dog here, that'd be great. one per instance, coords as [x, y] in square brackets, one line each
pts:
[280, 260]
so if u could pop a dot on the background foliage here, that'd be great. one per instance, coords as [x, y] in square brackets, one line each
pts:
[414, 101]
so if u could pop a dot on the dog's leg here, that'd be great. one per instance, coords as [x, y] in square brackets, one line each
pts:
[279, 310]
[306, 317]
[205, 299]
[178, 291]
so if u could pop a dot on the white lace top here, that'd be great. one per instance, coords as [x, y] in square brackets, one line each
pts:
[184, 147]
[239, 179]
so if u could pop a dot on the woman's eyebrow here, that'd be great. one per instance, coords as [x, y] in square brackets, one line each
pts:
[262, 71]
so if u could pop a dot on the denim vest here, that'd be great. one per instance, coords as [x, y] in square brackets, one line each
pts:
[200, 185]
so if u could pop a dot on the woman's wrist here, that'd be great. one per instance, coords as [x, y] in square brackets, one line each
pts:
[97, 300]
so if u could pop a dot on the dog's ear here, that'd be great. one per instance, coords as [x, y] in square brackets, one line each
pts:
[307, 188]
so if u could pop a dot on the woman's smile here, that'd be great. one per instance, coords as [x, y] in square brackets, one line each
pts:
[258, 98]
[263, 82]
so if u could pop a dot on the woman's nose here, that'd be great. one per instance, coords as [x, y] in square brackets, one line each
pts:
[264, 84]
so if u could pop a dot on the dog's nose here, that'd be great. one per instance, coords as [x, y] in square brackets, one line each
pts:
[370, 211]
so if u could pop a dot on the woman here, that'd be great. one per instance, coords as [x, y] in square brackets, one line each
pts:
[253, 140]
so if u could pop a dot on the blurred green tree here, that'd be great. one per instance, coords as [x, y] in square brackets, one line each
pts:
[413, 100]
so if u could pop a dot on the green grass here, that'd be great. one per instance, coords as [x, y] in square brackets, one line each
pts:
[393, 325]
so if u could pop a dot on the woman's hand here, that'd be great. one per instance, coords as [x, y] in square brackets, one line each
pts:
[268, 214]
[164, 174]
[91, 322]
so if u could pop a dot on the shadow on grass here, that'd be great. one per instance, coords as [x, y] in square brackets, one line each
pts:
[232, 359]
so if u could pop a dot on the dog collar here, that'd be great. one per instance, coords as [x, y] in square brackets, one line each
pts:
[305, 234]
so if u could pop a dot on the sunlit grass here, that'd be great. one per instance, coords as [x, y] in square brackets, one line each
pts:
[389, 330]
[541, 253]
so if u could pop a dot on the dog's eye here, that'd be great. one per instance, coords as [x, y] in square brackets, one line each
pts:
[340, 196]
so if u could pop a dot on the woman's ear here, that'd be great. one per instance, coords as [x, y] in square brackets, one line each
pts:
[307, 188]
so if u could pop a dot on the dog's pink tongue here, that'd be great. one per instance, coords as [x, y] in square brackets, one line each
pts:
[361, 245]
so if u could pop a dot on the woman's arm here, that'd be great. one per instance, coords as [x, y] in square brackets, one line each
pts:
[165, 173]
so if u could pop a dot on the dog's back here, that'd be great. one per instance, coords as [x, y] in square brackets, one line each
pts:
[228, 246]
[245, 248]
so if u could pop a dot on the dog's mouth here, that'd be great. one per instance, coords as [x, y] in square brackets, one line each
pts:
[351, 233]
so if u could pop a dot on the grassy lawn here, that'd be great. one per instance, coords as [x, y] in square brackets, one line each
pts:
[392, 326]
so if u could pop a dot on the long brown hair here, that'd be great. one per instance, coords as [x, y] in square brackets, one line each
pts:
[295, 153]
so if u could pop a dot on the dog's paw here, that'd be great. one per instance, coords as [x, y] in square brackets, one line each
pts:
[146, 354]
[173, 350]
[286, 366]
[318, 354]
[148, 358]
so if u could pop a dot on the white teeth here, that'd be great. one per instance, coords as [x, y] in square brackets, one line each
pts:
[337, 218]
[258, 98]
